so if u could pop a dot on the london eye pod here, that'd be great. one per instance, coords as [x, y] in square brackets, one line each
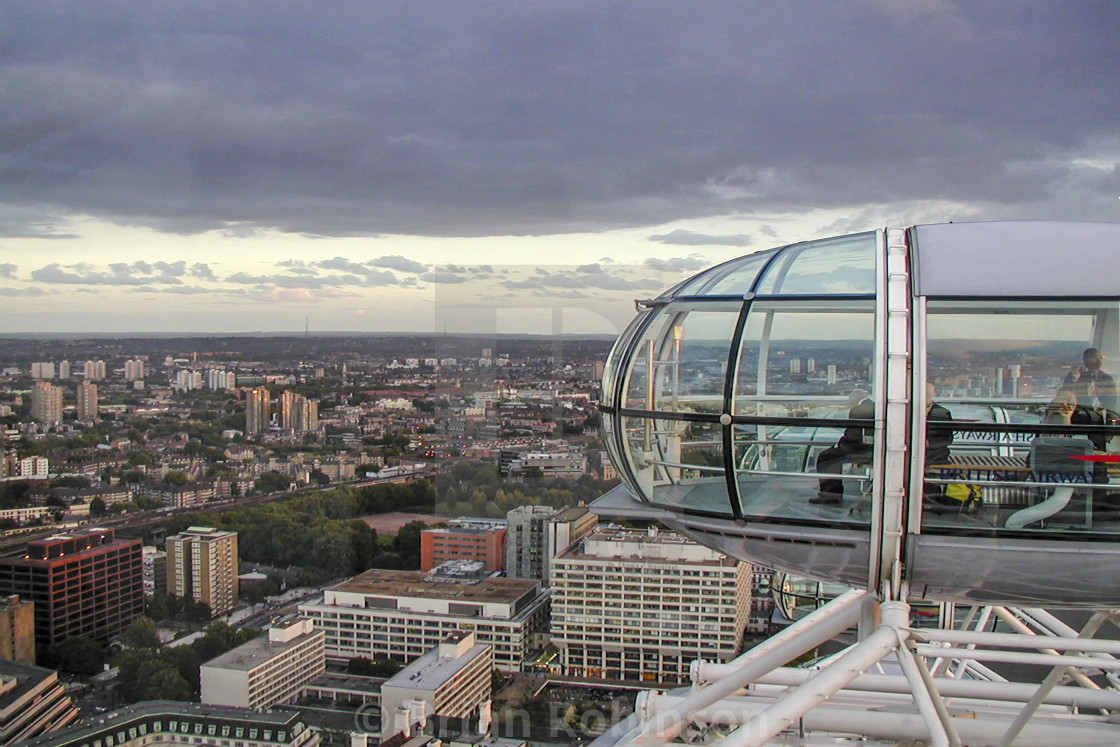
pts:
[925, 412]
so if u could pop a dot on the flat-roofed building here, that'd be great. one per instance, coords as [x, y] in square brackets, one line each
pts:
[163, 722]
[537, 534]
[642, 604]
[267, 670]
[403, 614]
[465, 539]
[32, 702]
[87, 582]
[453, 680]
[202, 564]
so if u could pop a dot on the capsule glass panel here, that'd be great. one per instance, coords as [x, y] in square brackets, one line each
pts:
[732, 278]
[1032, 403]
[845, 265]
[618, 352]
[678, 464]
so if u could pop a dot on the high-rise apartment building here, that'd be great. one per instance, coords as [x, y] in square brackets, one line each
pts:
[465, 539]
[216, 378]
[64, 370]
[267, 670]
[642, 604]
[536, 534]
[298, 414]
[202, 565]
[134, 369]
[43, 370]
[257, 414]
[94, 370]
[17, 630]
[86, 582]
[87, 400]
[46, 402]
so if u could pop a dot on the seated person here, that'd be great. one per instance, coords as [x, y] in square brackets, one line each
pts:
[1065, 410]
[854, 445]
[937, 443]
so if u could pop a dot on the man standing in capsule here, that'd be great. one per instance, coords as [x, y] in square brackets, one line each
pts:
[1094, 388]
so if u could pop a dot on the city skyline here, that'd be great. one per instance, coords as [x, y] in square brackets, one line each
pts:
[511, 168]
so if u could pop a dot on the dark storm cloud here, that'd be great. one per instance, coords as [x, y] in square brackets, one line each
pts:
[459, 119]
[691, 238]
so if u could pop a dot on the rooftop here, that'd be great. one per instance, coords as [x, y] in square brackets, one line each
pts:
[431, 670]
[418, 584]
[248, 656]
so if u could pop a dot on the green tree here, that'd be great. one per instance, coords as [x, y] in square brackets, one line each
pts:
[141, 633]
[71, 481]
[271, 482]
[79, 654]
[176, 477]
[97, 507]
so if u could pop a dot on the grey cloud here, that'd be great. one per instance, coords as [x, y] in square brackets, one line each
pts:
[83, 273]
[501, 118]
[289, 281]
[8, 270]
[677, 264]
[440, 276]
[691, 238]
[397, 262]
[22, 291]
[202, 271]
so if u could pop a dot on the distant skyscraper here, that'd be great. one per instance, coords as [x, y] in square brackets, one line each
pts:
[795, 365]
[256, 410]
[298, 413]
[64, 370]
[46, 402]
[202, 565]
[94, 370]
[87, 401]
[134, 369]
[216, 378]
[43, 370]
[187, 380]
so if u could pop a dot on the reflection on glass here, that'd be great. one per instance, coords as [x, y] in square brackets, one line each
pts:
[680, 363]
[836, 266]
[731, 278]
[679, 463]
[614, 359]
[1033, 404]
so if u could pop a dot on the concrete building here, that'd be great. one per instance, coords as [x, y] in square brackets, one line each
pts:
[536, 534]
[161, 722]
[87, 582]
[93, 370]
[298, 414]
[403, 614]
[155, 571]
[267, 670]
[202, 563]
[465, 539]
[134, 369]
[87, 401]
[17, 630]
[453, 680]
[43, 370]
[257, 410]
[46, 402]
[32, 702]
[642, 604]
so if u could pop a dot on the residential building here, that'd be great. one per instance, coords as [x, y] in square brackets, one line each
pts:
[216, 378]
[202, 564]
[298, 414]
[642, 604]
[566, 528]
[43, 370]
[155, 571]
[453, 680]
[46, 402]
[93, 370]
[162, 722]
[465, 539]
[257, 415]
[134, 369]
[64, 370]
[403, 614]
[33, 468]
[182, 496]
[536, 534]
[550, 465]
[267, 670]
[32, 702]
[87, 400]
[87, 582]
[17, 630]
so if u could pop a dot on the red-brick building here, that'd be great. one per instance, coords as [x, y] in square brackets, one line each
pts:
[87, 582]
[465, 539]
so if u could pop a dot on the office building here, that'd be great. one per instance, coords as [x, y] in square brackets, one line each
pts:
[134, 369]
[642, 604]
[87, 401]
[453, 680]
[46, 402]
[298, 414]
[403, 614]
[162, 722]
[202, 565]
[17, 630]
[93, 370]
[465, 539]
[87, 582]
[536, 534]
[267, 670]
[257, 413]
[32, 702]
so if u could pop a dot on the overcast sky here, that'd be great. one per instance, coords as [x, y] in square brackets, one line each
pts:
[511, 166]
